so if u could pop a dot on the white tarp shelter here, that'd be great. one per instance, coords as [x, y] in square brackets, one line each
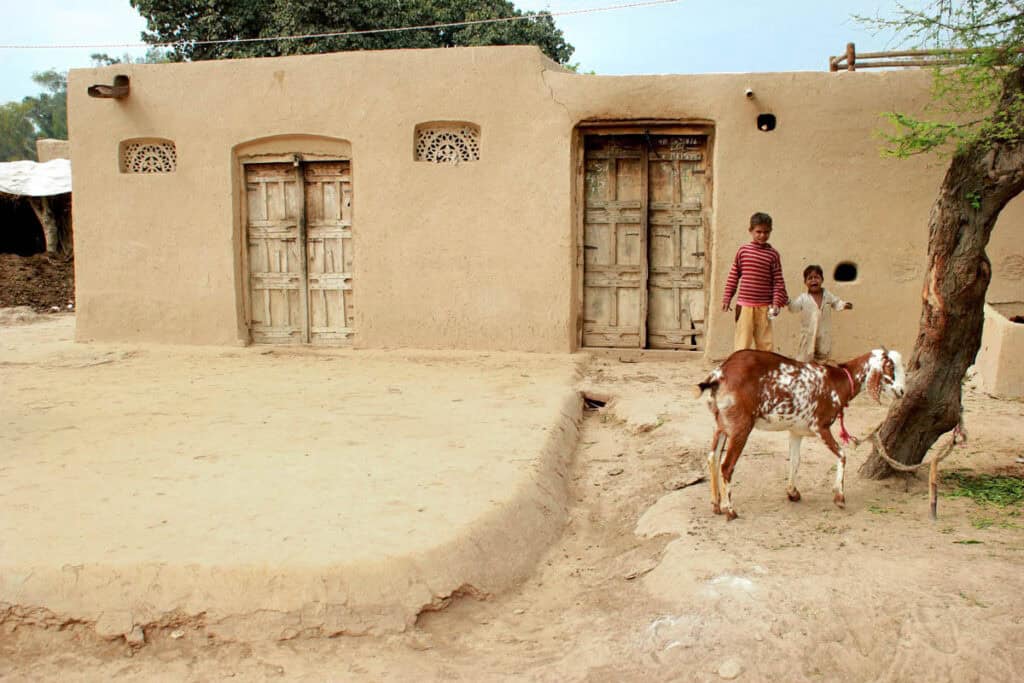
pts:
[38, 182]
[33, 179]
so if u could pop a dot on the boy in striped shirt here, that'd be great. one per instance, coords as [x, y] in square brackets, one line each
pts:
[757, 270]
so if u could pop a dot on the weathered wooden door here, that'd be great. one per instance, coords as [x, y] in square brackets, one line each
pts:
[299, 237]
[644, 241]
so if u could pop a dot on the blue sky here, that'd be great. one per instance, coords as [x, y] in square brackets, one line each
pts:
[689, 36]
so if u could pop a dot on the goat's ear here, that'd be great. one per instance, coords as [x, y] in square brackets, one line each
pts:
[875, 385]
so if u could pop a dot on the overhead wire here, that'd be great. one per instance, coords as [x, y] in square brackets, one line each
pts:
[341, 34]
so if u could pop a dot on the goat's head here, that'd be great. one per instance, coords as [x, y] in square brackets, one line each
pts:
[885, 374]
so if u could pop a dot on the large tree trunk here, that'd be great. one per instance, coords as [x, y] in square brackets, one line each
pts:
[979, 183]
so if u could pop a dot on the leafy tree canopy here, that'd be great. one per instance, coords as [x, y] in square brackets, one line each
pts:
[48, 111]
[184, 22]
[983, 39]
[42, 116]
[154, 55]
[17, 136]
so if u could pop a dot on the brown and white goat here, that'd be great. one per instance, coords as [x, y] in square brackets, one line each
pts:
[764, 390]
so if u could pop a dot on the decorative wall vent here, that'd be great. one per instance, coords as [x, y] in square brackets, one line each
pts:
[448, 143]
[148, 156]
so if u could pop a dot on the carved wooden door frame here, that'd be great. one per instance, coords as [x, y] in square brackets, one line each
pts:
[299, 163]
[634, 128]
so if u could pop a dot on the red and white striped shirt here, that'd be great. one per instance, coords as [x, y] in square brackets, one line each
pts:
[757, 269]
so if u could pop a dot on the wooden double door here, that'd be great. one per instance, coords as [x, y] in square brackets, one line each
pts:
[299, 238]
[644, 250]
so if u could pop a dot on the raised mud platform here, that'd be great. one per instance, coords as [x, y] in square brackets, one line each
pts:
[269, 494]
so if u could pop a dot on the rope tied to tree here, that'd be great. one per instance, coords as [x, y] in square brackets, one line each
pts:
[958, 436]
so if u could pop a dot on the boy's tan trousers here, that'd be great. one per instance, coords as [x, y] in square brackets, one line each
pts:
[753, 329]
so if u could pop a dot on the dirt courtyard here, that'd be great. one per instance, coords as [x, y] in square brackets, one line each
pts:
[638, 583]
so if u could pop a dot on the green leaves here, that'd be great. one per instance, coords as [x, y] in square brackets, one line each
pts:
[154, 55]
[48, 111]
[916, 136]
[42, 116]
[975, 101]
[189, 22]
[17, 135]
[986, 489]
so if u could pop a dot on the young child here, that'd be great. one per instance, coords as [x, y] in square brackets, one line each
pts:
[757, 270]
[815, 307]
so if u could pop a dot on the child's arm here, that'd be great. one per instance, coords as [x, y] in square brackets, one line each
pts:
[837, 303]
[731, 283]
[779, 295]
[796, 305]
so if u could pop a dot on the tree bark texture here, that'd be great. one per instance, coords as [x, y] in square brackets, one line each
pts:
[978, 184]
[44, 213]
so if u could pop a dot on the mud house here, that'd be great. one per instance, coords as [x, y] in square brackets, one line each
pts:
[485, 198]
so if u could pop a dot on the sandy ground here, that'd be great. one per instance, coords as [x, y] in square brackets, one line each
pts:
[646, 584]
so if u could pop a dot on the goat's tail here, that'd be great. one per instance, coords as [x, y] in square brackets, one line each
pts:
[710, 382]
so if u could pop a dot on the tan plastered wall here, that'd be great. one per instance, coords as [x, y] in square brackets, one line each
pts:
[48, 149]
[1002, 346]
[482, 255]
[469, 256]
[1006, 251]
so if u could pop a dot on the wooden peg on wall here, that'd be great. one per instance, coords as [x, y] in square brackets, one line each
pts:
[116, 91]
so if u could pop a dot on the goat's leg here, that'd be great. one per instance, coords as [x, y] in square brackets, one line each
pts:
[714, 471]
[737, 440]
[713, 474]
[838, 489]
[794, 465]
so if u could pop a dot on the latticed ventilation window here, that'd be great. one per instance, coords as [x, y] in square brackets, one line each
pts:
[447, 143]
[148, 156]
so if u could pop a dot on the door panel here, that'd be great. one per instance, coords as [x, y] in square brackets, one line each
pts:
[614, 242]
[329, 242]
[275, 254]
[676, 282]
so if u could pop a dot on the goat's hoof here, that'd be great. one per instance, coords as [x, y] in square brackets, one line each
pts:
[793, 495]
[730, 515]
[840, 500]
[716, 508]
